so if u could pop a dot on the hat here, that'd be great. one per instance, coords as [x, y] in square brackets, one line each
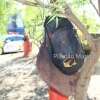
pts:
[65, 84]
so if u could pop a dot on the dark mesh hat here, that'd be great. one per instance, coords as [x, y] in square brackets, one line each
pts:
[65, 84]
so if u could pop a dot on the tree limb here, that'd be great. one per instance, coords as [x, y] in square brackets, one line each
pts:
[97, 11]
[29, 3]
[90, 61]
[69, 14]
[37, 2]
[87, 70]
[99, 6]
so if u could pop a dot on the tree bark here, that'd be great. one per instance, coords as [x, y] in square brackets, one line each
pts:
[99, 6]
[37, 2]
[88, 67]
[87, 70]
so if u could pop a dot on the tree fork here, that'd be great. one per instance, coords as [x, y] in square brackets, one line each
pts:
[89, 64]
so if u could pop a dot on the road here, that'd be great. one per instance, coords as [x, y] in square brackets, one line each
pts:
[19, 80]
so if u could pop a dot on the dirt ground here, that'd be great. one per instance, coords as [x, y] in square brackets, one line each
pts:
[19, 80]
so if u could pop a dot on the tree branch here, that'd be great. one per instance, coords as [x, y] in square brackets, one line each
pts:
[98, 12]
[99, 6]
[69, 14]
[87, 70]
[29, 3]
[90, 61]
[37, 2]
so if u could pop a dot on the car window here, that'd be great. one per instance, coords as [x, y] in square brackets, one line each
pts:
[15, 38]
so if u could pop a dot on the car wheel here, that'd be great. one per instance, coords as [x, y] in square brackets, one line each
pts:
[1, 51]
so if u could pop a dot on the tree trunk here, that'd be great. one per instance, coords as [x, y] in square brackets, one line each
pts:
[88, 67]
[99, 6]
[87, 71]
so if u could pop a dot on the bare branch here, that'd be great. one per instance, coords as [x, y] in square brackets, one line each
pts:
[87, 71]
[99, 6]
[37, 2]
[26, 2]
[95, 7]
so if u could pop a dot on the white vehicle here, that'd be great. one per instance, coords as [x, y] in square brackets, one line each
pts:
[13, 43]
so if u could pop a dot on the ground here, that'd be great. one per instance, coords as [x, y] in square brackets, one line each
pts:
[19, 79]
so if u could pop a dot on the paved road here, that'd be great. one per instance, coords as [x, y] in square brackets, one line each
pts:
[8, 57]
[19, 79]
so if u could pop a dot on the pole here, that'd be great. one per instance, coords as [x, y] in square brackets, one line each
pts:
[55, 95]
[27, 46]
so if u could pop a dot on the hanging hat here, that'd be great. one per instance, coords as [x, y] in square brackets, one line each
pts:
[65, 84]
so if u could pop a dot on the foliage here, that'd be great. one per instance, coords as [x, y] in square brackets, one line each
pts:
[33, 20]
[6, 9]
[81, 10]
[34, 16]
[2, 14]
